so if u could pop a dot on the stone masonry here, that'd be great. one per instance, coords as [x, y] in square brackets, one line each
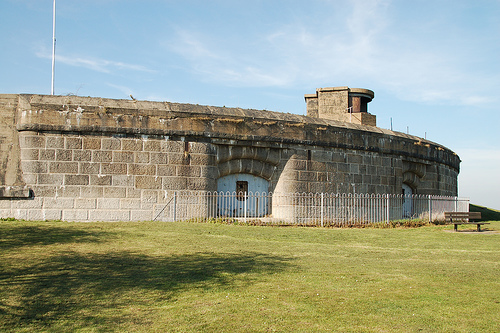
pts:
[92, 159]
[341, 103]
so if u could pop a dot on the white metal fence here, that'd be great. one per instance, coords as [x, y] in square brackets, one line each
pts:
[322, 209]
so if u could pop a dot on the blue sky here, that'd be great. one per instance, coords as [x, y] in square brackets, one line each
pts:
[434, 65]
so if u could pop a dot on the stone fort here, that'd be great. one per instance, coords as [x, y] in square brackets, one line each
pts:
[94, 159]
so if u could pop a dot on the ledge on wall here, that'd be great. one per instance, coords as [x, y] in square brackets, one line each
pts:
[14, 192]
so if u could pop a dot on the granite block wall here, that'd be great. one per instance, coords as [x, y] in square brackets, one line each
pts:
[86, 159]
[107, 178]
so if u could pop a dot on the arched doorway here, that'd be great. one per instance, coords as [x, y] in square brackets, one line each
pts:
[240, 193]
[407, 201]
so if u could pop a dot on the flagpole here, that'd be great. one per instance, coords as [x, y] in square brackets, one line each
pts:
[53, 46]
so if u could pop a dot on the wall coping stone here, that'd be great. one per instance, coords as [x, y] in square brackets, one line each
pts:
[89, 115]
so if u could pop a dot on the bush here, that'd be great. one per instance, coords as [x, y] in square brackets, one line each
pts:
[8, 219]
[414, 223]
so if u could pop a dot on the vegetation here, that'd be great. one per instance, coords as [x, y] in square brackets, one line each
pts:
[213, 277]
[487, 214]
[407, 223]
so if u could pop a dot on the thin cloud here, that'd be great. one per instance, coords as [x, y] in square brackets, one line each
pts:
[211, 59]
[288, 54]
[95, 64]
[358, 45]
[193, 47]
[125, 90]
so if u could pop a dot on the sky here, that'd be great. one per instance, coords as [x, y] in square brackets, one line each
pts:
[434, 65]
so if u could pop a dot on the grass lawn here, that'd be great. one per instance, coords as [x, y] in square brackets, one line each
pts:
[187, 277]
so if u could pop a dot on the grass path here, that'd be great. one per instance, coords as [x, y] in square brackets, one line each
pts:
[186, 277]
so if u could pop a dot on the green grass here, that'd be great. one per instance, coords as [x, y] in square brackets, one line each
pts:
[487, 214]
[188, 277]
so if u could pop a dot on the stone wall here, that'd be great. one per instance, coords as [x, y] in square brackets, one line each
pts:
[89, 159]
[111, 178]
[344, 104]
[338, 170]
[11, 179]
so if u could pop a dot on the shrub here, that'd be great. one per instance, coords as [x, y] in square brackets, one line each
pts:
[414, 223]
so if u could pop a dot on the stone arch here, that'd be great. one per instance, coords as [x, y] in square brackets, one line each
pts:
[413, 172]
[250, 167]
[257, 161]
[247, 166]
[233, 152]
[412, 180]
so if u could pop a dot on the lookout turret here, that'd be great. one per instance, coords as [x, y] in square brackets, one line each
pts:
[342, 104]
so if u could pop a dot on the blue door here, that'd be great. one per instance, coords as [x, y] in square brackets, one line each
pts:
[240, 193]
[407, 201]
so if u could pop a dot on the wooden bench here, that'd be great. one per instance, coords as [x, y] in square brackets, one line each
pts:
[464, 218]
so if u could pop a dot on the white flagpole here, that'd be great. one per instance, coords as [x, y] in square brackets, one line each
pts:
[53, 46]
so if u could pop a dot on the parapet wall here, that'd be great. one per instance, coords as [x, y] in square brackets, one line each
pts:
[91, 159]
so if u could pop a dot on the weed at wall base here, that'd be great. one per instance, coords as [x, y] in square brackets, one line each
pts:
[414, 223]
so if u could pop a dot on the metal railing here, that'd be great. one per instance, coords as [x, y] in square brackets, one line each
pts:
[321, 209]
